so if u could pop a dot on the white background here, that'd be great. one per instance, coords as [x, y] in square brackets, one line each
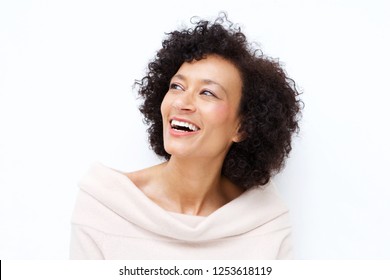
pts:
[66, 100]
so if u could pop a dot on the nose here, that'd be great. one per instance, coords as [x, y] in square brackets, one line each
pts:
[184, 102]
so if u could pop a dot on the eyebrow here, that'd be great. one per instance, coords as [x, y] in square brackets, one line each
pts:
[206, 81]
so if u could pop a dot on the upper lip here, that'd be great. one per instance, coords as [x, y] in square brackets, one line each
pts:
[183, 120]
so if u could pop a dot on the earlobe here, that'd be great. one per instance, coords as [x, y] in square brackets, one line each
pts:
[239, 136]
[236, 139]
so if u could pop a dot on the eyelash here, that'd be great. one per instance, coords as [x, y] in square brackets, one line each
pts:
[173, 86]
[211, 93]
[178, 87]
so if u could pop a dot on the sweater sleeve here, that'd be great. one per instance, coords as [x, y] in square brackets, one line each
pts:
[286, 248]
[85, 243]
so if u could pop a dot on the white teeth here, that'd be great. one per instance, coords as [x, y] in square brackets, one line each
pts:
[184, 124]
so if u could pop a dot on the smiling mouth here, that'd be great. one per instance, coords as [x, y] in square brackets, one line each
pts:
[183, 126]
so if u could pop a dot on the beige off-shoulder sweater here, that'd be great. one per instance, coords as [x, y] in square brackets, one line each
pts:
[113, 219]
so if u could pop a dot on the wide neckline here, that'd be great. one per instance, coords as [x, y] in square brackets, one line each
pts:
[115, 191]
[122, 175]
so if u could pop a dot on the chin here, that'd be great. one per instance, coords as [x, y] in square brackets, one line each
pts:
[175, 148]
[178, 154]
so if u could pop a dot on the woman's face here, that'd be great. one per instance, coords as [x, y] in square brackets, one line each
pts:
[200, 109]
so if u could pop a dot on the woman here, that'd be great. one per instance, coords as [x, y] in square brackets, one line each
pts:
[222, 115]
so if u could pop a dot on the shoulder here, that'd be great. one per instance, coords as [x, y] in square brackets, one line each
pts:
[100, 188]
[143, 179]
[100, 175]
[269, 195]
[106, 196]
[266, 202]
[97, 188]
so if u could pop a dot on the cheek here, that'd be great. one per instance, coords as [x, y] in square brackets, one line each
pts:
[164, 106]
[219, 114]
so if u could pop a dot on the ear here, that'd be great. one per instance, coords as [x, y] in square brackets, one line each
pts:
[239, 135]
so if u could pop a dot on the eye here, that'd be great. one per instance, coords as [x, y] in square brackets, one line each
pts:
[175, 86]
[208, 93]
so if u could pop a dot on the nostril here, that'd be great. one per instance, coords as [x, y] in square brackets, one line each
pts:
[187, 107]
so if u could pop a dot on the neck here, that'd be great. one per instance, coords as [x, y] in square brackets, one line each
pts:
[194, 186]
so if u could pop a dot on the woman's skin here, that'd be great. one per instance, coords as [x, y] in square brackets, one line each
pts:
[205, 94]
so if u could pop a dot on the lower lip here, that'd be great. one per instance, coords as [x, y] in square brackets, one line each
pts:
[175, 132]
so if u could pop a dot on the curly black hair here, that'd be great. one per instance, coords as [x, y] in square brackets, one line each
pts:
[269, 107]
